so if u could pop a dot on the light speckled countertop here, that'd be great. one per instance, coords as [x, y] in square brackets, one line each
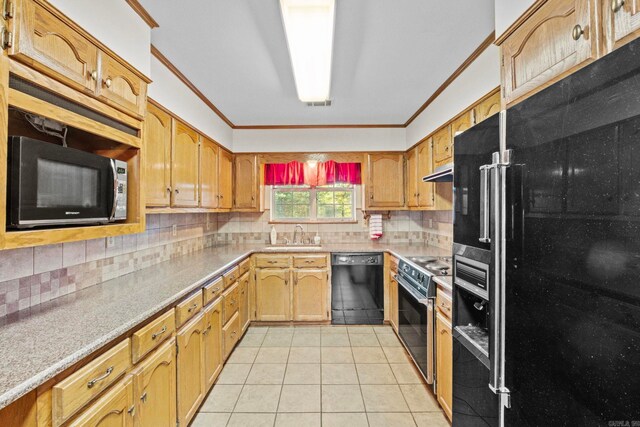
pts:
[43, 341]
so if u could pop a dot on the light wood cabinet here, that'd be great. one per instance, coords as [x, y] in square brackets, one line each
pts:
[385, 180]
[621, 20]
[420, 195]
[157, 153]
[120, 87]
[309, 261]
[230, 335]
[190, 377]
[393, 302]
[412, 178]
[243, 296]
[442, 147]
[271, 261]
[310, 295]
[558, 38]
[245, 182]
[273, 298]
[225, 180]
[115, 409]
[209, 197]
[212, 290]
[184, 171]
[444, 362]
[487, 107]
[212, 342]
[460, 124]
[144, 340]
[230, 299]
[188, 308]
[155, 388]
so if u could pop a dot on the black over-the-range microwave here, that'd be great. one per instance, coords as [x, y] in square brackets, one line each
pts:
[52, 185]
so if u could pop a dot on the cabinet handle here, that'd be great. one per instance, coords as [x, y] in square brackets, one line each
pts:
[272, 262]
[616, 5]
[192, 307]
[132, 410]
[177, 191]
[371, 196]
[107, 82]
[160, 332]
[94, 75]
[577, 32]
[215, 289]
[168, 189]
[93, 382]
[308, 261]
[143, 398]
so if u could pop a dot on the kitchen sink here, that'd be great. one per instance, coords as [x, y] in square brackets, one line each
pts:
[284, 248]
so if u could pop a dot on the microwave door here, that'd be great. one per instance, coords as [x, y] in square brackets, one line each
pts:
[51, 185]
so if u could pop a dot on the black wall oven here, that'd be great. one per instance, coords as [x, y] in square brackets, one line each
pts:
[54, 185]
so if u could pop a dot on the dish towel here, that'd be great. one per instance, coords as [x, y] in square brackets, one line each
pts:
[375, 226]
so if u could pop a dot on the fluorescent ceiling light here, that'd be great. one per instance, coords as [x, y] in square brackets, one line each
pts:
[308, 25]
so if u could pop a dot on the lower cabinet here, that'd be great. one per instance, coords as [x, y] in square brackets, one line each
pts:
[115, 408]
[273, 295]
[155, 388]
[231, 335]
[444, 363]
[393, 302]
[212, 342]
[243, 297]
[191, 384]
[310, 295]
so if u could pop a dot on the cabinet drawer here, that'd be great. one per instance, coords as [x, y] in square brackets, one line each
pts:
[152, 335]
[244, 266]
[311, 261]
[211, 291]
[231, 334]
[443, 302]
[188, 308]
[268, 261]
[230, 277]
[231, 302]
[72, 393]
[121, 87]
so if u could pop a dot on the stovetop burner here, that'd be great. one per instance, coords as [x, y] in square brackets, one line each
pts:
[438, 266]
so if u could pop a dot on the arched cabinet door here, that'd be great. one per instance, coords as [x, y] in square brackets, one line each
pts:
[115, 408]
[310, 295]
[385, 178]
[273, 295]
[209, 180]
[191, 384]
[184, 173]
[157, 139]
[121, 87]
[245, 187]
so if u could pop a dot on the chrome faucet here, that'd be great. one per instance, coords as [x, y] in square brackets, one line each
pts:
[295, 234]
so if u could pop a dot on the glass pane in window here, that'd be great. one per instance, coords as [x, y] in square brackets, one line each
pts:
[283, 197]
[343, 197]
[325, 197]
[301, 197]
[301, 211]
[326, 211]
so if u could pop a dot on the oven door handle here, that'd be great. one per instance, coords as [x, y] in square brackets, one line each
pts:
[115, 189]
[419, 298]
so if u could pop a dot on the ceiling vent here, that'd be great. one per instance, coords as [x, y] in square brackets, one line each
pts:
[326, 103]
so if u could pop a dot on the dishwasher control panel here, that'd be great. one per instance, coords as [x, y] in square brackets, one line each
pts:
[357, 259]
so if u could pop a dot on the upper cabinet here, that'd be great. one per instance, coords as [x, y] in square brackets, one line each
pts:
[385, 181]
[225, 176]
[558, 38]
[209, 197]
[621, 19]
[47, 41]
[420, 195]
[412, 178]
[442, 147]
[487, 107]
[184, 173]
[245, 182]
[157, 136]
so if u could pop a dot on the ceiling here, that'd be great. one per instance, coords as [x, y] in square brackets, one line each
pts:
[389, 56]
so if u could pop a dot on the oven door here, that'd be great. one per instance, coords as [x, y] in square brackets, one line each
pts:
[415, 327]
[54, 185]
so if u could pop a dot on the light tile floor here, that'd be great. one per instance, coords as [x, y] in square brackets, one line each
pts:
[320, 376]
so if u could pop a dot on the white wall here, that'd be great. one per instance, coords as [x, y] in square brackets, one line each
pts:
[115, 24]
[318, 140]
[508, 11]
[171, 93]
[477, 80]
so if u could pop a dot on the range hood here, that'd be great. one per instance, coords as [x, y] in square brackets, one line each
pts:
[442, 173]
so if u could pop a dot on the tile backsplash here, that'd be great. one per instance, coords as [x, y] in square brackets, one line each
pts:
[30, 276]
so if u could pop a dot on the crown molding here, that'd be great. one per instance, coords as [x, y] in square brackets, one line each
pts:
[349, 126]
[142, 12]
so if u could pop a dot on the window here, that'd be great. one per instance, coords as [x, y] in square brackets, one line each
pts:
[329, 203]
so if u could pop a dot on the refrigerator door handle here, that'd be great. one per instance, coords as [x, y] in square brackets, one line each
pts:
[484, 204]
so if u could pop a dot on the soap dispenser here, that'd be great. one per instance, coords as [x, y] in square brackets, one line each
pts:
[273, 237]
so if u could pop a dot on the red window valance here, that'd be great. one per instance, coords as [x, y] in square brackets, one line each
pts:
[313, 174]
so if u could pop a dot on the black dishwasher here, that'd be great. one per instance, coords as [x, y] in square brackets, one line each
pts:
[357, 288]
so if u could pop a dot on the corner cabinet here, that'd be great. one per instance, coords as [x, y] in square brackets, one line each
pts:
[245, 182]
[558, 38]
[184, 172]
[385, 181]
[157, 137]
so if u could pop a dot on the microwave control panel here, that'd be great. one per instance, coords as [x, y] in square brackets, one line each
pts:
[121, 190]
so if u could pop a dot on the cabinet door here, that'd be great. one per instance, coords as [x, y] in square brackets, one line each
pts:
[460, 124]
[225, 185]
[184, 168]
[412, 178]
[425, 190]
[209, 174]
[190, 369]
[244, 302]
[386, 180]
[487, 108]
[121, 87]
[245, 182]
[543, 49]
[273, 295]
[622, 22]
[157, 152]
[114, 409]
[310, 295]
[155, 388]
[442, 143]
[393, 302]
[47, 44]
[444, 361]
[212, 342]
[231, 335]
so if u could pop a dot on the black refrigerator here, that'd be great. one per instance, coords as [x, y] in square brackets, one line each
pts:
[555, 208]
